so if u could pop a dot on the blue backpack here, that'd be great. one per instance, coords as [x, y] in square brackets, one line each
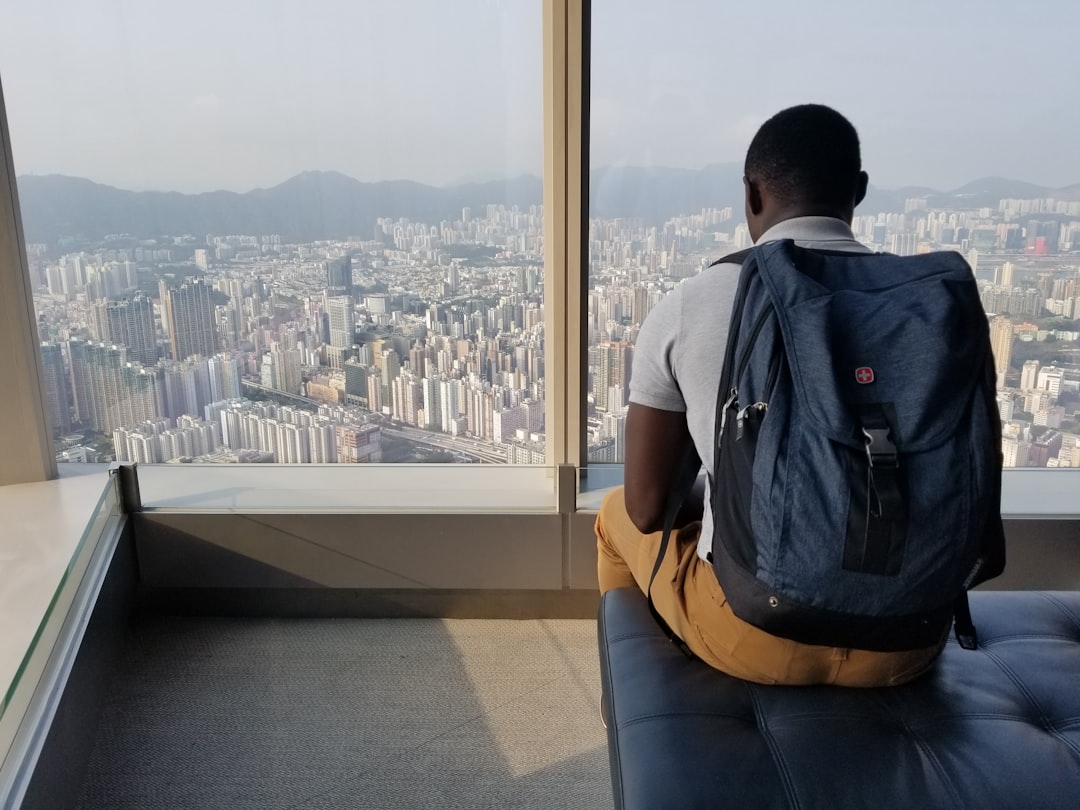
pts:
[857, 480]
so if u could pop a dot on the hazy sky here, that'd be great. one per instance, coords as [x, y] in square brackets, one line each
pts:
[237, 94]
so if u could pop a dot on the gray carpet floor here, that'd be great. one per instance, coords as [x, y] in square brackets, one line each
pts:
[352, 713]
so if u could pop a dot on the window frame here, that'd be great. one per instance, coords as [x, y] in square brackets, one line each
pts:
[25, 438]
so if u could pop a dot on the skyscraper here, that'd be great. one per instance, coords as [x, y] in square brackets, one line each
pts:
[189, 316]
[129, 323]
[342, 328]
[390, 365]
[1006, 275]
[322, 442]
[110, 392]
[338, 277]
[287, 361]
[433, 412]
[1029, 375]
[356, 389]
[225, 375]
[1001, 341]
[280, 369]
[186, 387]
[611, 376]
[57, 395]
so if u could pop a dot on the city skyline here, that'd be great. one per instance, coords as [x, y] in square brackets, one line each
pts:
[412, 344]
[489, 178]
[410, 316]
[243, 95]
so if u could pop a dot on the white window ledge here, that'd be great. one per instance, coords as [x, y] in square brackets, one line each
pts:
[382, 488]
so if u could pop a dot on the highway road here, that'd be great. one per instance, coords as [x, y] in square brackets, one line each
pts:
[483, 451]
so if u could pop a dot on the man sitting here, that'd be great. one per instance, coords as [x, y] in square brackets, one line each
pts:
[803, 180]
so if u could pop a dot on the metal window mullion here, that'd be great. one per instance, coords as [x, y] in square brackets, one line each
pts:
[25, 440]
[565, 184]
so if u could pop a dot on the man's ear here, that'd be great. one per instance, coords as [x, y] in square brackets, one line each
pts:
[860, 188]
[753, 196]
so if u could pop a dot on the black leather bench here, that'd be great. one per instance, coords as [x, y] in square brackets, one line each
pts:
[995, 728]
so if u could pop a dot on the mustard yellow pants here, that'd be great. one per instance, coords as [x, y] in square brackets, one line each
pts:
[691, 601]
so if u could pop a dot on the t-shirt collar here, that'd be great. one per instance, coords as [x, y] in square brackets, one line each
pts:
[817, 229]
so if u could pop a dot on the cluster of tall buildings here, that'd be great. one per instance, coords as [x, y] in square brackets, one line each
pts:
[439, 329]
[95, 387]
[396, 327]
[1040, 442]
[158, 440]
[238, 430]
[293, 435]
[1025, 252]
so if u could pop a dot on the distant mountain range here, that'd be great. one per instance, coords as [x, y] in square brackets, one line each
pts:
[329, 205]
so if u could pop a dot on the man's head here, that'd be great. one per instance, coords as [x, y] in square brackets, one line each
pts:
[804, 161]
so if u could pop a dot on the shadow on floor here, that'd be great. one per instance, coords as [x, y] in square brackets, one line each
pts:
[352, 713]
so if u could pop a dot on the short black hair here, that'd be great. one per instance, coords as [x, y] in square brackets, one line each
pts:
[806, 154]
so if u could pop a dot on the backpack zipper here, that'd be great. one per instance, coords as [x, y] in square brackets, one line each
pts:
[755, 330]
[774, 371]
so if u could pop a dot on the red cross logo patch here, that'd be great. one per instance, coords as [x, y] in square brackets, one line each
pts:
[864, 375]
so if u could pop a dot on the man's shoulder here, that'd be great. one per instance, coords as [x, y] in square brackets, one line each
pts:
[718, 276]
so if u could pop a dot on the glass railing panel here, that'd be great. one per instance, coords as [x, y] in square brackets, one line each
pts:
[44, 557]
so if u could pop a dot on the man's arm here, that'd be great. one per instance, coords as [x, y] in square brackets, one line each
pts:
[656, 444]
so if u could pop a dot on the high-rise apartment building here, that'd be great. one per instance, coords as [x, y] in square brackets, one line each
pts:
[342, 317]
[186, 389]
[406, 398]
[611, 375]
[111, 392]
[287, 361]
[1004, 275]
[375, 393]
[1001, 341]
[614, 427]
[390, 364]
[57, 391]
[293, 444]
[451, 399]
[1029, 375]
[130, 323]
[280, 369]
[432, 398]
[225, 374]
[189, 315]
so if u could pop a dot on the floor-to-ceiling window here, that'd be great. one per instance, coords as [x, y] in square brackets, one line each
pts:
[968, 135]
[284, 232]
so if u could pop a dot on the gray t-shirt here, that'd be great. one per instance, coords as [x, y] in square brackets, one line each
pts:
[680, 349]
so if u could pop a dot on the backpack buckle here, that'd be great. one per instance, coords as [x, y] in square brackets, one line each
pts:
[880, 451]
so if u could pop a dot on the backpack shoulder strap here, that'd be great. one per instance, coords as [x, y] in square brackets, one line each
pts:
[680, 487]
[738, 257]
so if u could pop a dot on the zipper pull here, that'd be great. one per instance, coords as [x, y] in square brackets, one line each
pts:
[733, 397]
[740, 417]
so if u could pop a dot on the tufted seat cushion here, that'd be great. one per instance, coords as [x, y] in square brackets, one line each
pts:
[995, 728]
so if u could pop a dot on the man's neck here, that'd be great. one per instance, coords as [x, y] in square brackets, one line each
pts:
[772, 219]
